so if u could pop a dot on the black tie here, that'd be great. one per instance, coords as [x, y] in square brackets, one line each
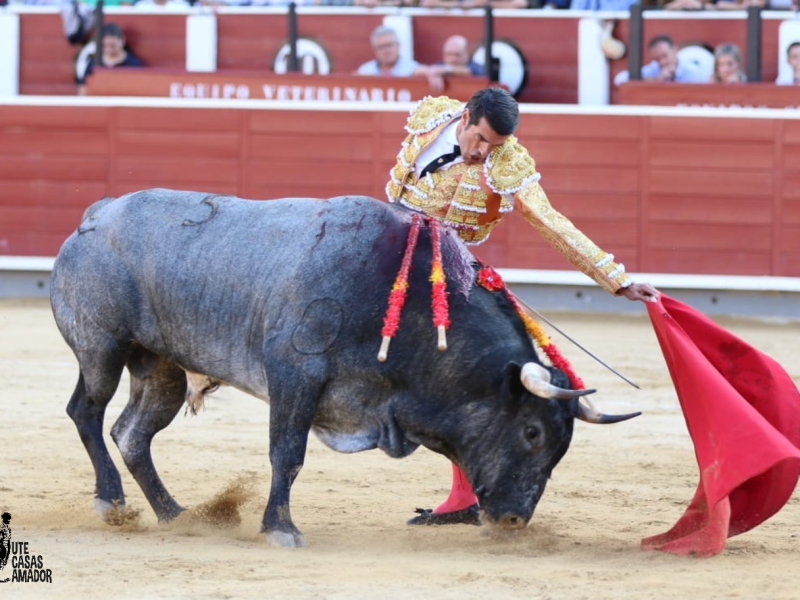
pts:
[442, 160]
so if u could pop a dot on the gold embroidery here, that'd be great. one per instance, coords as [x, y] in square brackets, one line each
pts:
[460, 194]
[568, 240]
[440, 195]
[432, 112]
[509, 167]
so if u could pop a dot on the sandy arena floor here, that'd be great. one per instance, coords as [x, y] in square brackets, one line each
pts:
[616, 485]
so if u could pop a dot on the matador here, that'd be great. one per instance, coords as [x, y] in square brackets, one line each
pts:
[462, 165]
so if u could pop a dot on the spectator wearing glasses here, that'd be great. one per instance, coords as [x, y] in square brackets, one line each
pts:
[387, 61]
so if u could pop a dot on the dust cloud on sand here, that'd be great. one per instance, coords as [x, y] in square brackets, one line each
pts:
[617, 484]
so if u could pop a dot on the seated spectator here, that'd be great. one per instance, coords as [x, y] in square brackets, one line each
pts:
[793, 58]
[602, 4]
[744, 4]
[688, 5]
[466, 4]
[162, 4]
[455, 61]
[728, 65]
[374, 3]
[387, 60]
[114, 53]
[665, 65]
[280, 3]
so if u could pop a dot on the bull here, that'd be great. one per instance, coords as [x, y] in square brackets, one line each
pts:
[285, 300]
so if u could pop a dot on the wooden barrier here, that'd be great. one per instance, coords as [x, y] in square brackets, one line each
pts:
[764, 95]
[235, 85]
[675, 191]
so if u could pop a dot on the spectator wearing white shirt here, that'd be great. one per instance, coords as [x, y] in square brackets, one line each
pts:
[793, 58]
[665, 65]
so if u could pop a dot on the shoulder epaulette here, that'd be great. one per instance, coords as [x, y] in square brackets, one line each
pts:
[431, 112]
[509, 168]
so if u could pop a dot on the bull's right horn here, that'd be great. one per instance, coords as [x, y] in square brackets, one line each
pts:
[536, 380]
[592, 415]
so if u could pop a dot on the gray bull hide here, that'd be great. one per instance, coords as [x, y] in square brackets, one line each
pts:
[285, 301]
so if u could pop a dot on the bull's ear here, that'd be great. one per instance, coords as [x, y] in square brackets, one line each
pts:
[512, 380]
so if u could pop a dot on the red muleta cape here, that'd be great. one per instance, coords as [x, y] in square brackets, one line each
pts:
[743, 414]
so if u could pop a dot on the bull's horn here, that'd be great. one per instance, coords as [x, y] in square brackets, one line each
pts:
[592, 415]
[536, 380]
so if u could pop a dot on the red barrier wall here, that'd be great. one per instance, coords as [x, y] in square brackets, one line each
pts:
[673, 194]
[752, 95]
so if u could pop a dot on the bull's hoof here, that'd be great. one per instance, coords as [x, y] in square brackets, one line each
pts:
[102, 507]
[466, 516]
[116, 513]
[284, 539]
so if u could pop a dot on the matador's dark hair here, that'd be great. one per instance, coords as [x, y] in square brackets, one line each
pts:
[497, 106]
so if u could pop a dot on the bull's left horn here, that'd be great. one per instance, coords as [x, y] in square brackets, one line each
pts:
[536, 380]
[592, 415]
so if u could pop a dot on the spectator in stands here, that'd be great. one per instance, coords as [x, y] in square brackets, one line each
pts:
[688, 5]
[466, 4]
[387, 61]
[372, 3]
[735, 4]
[730, 4]
[115, 53]
[455, 61]
[162, 4]
[283, 2]
[602, 4]
[793, 58]
[728, 65]
[664, 65]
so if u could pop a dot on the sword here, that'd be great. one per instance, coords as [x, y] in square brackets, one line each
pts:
[535, 313]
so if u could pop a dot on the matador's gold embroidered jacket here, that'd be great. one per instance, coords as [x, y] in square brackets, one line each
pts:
[474, 198]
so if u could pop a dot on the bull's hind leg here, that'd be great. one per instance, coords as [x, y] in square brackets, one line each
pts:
[158, 388]
[99, 377]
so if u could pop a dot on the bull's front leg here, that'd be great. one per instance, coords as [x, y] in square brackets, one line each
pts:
[290, 422]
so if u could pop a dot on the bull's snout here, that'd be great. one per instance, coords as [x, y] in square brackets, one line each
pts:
[503, 510]
[511, 522]
[507, 522]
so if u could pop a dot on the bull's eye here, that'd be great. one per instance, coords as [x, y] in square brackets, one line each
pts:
[532, 434]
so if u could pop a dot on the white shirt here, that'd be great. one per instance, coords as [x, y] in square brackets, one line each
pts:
[787, 78]
[441, 145]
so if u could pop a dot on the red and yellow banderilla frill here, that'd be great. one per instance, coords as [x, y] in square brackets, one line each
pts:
[491, 280]
[487, 278]
[397, 297]
[441, 318]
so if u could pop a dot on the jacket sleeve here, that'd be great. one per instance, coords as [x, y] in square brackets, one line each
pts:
[560, 233]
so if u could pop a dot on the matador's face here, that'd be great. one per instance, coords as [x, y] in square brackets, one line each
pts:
[478, 140]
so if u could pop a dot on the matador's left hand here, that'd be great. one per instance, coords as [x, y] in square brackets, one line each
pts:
[640, 291]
